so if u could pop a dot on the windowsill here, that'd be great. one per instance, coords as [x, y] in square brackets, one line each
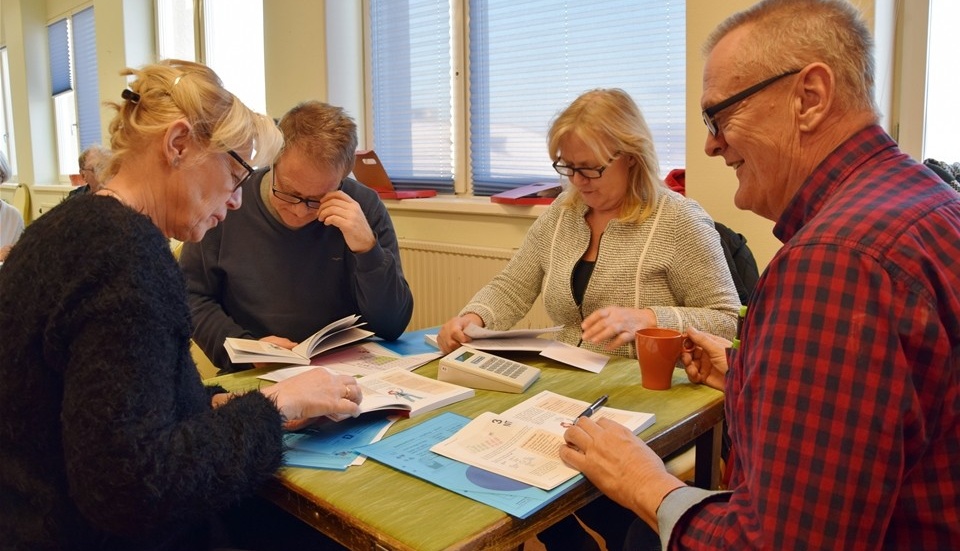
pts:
[440, 204]
[466, 205]
[38, 187]
[53, 187]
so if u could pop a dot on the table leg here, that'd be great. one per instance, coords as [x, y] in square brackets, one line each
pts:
[707, 470]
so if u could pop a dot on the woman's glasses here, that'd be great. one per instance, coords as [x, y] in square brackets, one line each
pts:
[590, 173]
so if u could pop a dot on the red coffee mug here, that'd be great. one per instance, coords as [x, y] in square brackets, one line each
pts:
[658, 350]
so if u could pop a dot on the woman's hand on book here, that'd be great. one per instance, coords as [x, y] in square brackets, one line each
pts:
[313, 394]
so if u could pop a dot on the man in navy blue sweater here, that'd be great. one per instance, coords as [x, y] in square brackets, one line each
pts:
[307, 247]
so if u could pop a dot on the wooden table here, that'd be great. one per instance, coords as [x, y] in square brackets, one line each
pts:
[375, 507]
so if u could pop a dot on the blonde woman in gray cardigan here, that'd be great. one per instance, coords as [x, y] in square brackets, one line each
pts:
[617, 251]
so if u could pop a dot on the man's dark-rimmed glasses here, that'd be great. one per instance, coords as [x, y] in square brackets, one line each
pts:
[710, 112]
[311, 204]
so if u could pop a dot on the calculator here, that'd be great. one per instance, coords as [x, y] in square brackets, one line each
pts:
[475, 369]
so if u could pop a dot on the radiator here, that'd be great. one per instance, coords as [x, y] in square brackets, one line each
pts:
[443, 277]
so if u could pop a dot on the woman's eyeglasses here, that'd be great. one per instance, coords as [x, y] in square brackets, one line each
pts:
[590, 173]
[250, 170]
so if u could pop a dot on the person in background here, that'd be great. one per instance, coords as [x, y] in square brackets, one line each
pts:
[11, 221]
[308, 247]
[659, 262]
[843, 398]
[109, 439]
[92, 162]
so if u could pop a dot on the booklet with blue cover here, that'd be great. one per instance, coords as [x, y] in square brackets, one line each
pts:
[332, 445]
[409, 451]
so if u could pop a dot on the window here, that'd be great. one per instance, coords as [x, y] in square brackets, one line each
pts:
[175, 36]
[523, 62]
[7, 144]
[75, 86]
[232, 42]
[942, 116]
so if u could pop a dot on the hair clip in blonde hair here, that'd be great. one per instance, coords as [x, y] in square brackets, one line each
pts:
[130, 95]
[177, 80]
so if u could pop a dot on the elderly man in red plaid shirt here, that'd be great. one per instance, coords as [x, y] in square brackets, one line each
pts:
[843, 398]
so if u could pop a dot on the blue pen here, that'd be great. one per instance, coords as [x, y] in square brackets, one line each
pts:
[592, 408]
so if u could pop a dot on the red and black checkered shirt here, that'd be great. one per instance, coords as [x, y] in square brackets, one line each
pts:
[844, 398]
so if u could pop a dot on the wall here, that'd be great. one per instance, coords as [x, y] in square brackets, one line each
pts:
[295, 53]
[709, 181]
[299, 64]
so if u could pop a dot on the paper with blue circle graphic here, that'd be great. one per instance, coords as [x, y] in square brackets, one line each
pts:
[409, 451]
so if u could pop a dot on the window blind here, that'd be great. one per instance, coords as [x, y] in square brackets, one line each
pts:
[88, 86]
[526, 62]
[529, 60]
[58, 40]
[412, 91]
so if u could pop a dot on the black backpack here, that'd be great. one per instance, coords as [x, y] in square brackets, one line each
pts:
[743, 267]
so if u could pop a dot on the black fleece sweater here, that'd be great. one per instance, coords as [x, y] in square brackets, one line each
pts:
[107, 436]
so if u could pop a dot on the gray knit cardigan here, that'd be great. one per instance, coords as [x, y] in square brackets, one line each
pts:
[672, 263]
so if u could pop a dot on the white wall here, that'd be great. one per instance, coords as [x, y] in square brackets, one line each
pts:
[709, 181]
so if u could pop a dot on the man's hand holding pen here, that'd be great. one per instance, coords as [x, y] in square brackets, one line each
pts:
[607, 453]
[592, 408]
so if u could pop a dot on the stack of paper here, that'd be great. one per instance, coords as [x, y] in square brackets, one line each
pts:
[516, 340]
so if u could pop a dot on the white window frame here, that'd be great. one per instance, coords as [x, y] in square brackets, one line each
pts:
[7, 142]
[233, 48]
[914, 58]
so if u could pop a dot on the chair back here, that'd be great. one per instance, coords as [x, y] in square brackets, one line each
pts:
[740, 261]
[21, 202]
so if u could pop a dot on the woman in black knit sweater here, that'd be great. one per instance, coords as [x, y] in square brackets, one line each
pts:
[108, 439]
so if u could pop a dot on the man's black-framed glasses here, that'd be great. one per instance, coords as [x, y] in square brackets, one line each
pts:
[588, 173]
[710, 112]
[311, 204]
[250, 170]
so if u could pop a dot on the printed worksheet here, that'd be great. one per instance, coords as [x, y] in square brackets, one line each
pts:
[523, 443]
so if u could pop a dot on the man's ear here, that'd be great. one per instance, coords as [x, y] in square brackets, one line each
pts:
[817, 87]
[176, 141]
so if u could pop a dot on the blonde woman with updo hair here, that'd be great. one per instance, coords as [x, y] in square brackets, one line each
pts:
[109, 439]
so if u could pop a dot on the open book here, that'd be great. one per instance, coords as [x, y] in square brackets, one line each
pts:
[523, 443]
[408, 393]
[341, 332]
